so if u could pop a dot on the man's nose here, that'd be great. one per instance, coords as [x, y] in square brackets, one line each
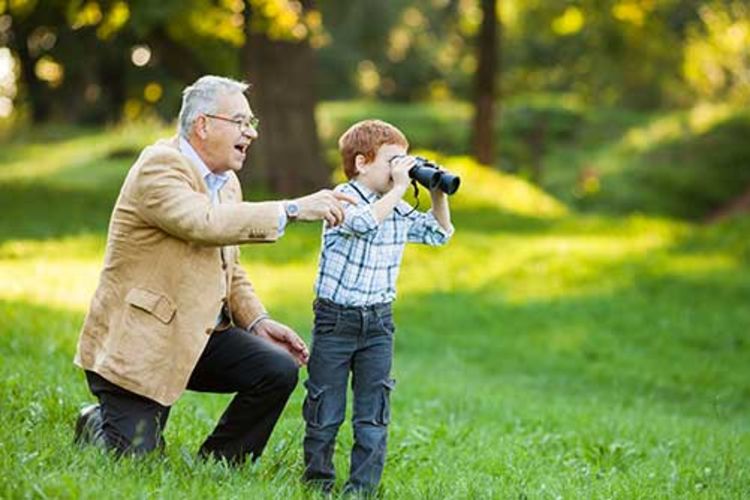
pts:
[251, 132]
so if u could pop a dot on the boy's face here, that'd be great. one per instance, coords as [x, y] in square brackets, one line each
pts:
[376, 175]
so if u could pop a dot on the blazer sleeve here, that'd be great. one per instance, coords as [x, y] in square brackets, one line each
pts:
[245, 305]
[167, 197]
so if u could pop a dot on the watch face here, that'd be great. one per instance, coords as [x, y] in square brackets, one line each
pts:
[292, 209]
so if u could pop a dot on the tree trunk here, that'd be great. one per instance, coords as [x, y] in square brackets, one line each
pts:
[286, 156]
[484, 85]
[177, 58]
[37, 91]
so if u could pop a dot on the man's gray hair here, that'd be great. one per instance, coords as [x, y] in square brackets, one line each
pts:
[202, 98]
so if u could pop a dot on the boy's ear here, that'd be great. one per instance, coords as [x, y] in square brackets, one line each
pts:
[359, 163]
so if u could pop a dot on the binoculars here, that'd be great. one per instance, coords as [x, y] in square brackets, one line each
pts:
[431, 176]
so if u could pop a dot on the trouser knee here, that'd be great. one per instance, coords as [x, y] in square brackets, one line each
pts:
[284, 374]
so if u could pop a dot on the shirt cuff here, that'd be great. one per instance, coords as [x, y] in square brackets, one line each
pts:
[435, 226]
[282, 220]
[255, 322]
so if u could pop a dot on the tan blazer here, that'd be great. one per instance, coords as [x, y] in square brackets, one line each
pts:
[170, 264]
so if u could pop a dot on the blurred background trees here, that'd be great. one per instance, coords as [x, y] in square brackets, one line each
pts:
[92, 62]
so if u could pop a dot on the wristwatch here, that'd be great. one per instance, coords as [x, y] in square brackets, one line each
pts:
[291, 209]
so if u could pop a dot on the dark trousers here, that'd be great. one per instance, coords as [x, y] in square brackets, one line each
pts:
[360, 341]
[234, 361]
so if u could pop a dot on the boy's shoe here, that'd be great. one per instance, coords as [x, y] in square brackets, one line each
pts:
[89, 426]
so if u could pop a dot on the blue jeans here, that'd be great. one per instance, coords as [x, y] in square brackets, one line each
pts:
[357, 340]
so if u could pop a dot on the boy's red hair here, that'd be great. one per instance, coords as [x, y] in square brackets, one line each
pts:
[365, 138]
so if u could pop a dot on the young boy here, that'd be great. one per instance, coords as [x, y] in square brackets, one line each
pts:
[353, 331]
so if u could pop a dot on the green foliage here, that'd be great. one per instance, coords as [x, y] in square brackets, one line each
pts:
[530, 130]
[541, 354]
[443, 127]
[716, 62]
[639, 54]
[699, 173]
[608, 52]
[683, 164]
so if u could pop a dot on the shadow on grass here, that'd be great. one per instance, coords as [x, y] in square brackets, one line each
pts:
[37, 211]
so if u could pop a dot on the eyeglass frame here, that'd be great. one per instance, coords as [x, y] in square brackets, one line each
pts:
[253, 122]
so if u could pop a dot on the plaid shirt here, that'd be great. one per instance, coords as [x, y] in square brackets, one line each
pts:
[360, 259]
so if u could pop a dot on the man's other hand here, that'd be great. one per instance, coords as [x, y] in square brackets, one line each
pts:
[283, 336]
[324, 205]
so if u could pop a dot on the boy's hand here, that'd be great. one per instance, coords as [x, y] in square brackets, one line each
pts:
[400, 171]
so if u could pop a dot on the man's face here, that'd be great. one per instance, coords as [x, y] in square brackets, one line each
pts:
[227, 135]
[376, 175]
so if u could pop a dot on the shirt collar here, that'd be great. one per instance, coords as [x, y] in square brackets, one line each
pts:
[187, 150]
[367, 192]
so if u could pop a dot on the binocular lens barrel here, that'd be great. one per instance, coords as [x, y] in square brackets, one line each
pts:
[430, 176]
[426, 176]
[449, 183]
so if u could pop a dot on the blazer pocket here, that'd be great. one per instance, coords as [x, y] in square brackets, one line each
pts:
[158, 305]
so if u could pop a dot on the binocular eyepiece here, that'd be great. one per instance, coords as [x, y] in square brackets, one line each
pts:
[431, 176]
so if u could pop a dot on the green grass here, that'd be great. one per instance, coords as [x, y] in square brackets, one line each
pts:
[542, 354]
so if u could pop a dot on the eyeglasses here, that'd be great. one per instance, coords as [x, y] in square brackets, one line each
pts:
[243, 126]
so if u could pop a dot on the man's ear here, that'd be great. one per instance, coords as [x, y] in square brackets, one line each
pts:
[201, 127]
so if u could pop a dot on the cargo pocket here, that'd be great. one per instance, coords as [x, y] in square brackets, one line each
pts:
[311, 406]
[384, 415]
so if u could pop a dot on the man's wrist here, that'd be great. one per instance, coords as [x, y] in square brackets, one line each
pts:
[251, 327]
[291, 209]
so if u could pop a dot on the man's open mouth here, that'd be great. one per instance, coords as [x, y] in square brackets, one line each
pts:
[242, 148]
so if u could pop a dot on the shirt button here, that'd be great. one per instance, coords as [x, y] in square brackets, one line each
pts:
[209, 331]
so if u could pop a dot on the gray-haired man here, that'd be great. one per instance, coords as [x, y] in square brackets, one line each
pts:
[174, 310]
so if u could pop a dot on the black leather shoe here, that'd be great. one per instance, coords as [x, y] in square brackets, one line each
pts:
[89, 426]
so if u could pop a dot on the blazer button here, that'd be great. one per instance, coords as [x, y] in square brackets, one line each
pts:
[224, 266]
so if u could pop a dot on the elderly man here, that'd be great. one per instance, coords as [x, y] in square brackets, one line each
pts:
[173, 309]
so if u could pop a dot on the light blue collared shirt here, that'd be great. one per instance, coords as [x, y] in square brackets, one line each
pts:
[214, 182]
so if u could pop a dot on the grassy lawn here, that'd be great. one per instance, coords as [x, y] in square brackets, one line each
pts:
[542, 354]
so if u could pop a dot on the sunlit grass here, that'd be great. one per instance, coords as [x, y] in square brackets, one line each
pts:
[673, 126]
[42, 159]
[489, 189]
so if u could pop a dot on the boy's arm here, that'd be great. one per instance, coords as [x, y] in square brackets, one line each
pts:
[441, 210]
[383, 208]
[361, 220]
[434, 227]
